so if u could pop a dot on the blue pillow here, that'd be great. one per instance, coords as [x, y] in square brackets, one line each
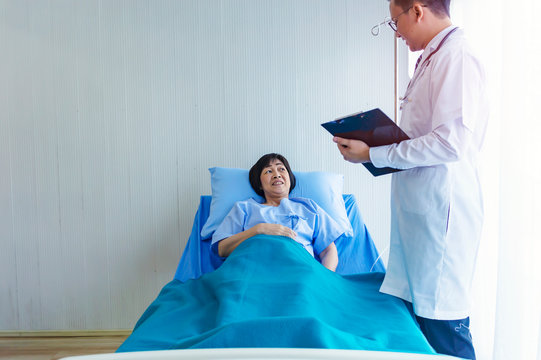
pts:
[232, 185]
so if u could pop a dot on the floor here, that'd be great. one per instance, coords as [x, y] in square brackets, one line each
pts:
[52, 348]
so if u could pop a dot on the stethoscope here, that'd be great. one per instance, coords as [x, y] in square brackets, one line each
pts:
[420, 69]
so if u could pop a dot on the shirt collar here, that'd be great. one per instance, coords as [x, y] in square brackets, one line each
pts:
[433, 44]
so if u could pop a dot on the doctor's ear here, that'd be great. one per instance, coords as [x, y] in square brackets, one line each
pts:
[419, 10]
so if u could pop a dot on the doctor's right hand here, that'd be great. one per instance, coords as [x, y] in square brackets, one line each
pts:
[274, 229]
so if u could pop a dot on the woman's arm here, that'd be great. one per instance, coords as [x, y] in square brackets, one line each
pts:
[329, 257]
[227, 245]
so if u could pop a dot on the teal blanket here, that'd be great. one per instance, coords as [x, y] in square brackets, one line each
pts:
[271, 293]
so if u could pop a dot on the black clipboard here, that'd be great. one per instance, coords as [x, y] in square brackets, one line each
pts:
[373, 127]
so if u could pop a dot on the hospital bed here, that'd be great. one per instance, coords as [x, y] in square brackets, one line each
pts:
[271, 300]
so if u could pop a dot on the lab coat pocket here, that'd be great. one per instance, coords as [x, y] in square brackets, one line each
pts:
[422, 190]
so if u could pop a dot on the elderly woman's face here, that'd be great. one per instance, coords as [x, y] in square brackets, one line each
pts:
[275, 180]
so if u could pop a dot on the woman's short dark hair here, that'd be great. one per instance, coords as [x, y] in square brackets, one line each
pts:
[438, 7]
[263, 162]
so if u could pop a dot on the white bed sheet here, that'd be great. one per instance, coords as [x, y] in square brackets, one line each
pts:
[261, 353]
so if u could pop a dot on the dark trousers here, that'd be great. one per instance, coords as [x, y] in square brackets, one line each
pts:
[449, 337]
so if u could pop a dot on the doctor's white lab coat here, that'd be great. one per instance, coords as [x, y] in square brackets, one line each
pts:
[437, 207]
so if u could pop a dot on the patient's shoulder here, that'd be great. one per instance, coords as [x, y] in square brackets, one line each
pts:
[248, 203]
[309, 203]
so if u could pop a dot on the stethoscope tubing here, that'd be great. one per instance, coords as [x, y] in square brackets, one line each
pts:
[425, 63]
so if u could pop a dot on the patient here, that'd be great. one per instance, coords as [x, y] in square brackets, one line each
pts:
[297, 218]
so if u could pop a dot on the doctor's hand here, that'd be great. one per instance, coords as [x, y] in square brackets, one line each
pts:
[355, 151]
[274, 229]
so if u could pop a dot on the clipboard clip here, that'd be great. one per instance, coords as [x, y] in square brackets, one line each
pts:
[360, 114]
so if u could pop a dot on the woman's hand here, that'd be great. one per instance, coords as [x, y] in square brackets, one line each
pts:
[274, 229]
[227, 245]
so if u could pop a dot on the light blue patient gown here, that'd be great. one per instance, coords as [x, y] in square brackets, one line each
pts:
[314, 227]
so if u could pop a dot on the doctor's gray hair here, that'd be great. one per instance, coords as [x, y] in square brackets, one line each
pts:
[438, 7]
[263, 162]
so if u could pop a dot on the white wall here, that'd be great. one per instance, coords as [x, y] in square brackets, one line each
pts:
[112, 111]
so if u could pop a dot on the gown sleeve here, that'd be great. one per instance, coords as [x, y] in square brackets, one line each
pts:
[232, 224]
[326, 230]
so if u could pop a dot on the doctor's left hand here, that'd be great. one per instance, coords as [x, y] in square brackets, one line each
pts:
[355, 151]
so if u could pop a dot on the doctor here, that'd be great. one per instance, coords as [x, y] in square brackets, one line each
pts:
[436, 203]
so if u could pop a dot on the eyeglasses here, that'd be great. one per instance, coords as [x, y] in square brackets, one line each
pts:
[392, 22]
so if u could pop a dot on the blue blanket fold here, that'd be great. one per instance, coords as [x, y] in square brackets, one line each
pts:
[271, 293]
